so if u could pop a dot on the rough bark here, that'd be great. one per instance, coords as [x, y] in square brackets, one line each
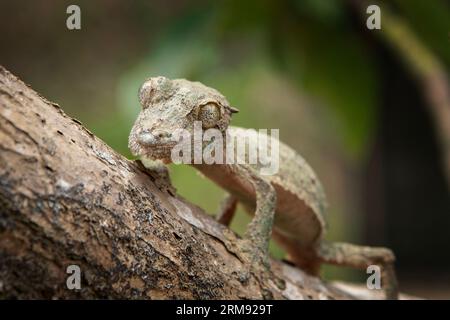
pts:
[67, 198]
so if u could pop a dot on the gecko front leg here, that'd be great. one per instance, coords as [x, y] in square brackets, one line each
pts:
[257, 236]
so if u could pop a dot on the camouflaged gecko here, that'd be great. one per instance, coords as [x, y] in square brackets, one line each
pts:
[291, 201]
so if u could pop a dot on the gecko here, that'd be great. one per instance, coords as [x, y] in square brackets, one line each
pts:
[289, 205]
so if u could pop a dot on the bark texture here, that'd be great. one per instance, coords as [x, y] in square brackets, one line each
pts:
[67, 198]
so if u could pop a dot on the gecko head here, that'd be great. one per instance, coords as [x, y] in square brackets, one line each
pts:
[169, 106]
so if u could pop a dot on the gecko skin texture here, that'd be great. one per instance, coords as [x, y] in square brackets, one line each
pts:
[289, 205]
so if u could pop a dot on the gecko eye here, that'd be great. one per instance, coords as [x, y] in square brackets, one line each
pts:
[145, 94]
[209, 115]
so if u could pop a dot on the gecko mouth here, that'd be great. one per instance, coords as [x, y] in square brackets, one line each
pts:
[154, 150]
[160, 152]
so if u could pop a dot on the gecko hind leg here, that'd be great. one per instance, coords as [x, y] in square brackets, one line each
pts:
[227, 210]
[360, 257]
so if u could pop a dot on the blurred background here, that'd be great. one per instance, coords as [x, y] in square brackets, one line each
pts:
[358, 104]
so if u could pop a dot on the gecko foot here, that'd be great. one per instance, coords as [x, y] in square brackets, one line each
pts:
[256, 260]
[159, 174]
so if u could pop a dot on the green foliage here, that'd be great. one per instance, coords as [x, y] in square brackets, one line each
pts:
[237, 46]
[431, 22]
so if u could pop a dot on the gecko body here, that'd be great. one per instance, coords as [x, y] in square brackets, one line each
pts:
[289, 204]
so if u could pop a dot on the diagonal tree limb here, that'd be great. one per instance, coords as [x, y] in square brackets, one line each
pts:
[67, 198]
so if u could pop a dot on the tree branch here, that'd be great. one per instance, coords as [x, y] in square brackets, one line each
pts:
[67, 198]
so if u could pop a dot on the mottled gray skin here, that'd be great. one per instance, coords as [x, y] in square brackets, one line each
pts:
[292, 201]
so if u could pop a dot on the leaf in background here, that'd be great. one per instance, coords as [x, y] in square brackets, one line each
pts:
[431, 21]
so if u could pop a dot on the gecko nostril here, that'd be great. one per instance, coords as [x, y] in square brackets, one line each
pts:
[161, 134]
[149, 137]
[146, 138]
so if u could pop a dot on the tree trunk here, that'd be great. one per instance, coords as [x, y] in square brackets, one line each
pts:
[66, 198]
